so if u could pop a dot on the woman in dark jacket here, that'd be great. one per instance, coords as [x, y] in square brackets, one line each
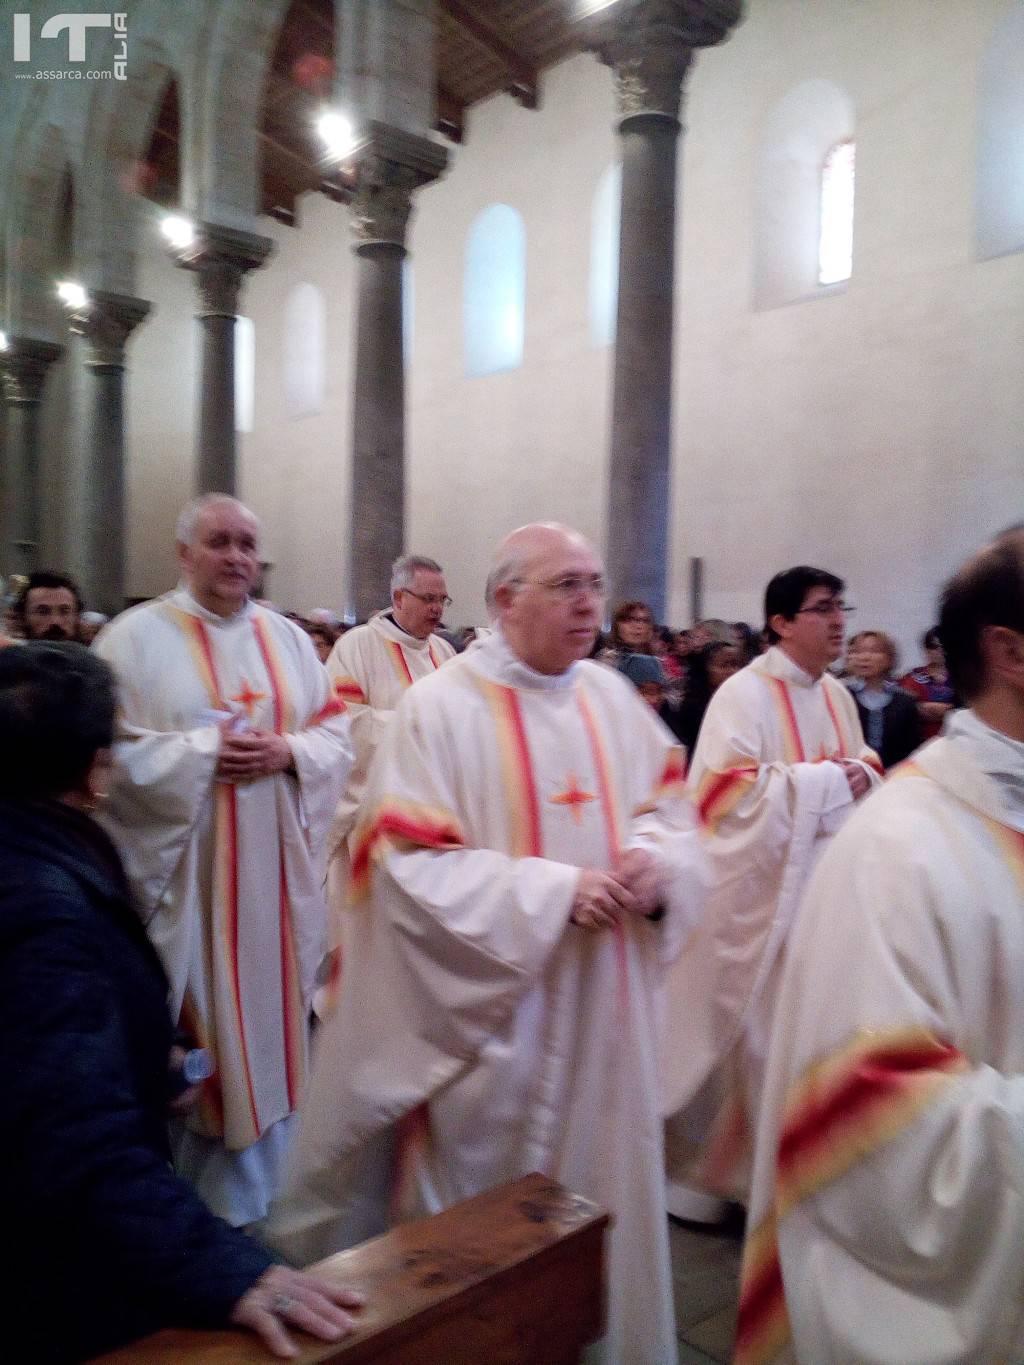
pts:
[105, 1243]
[888, 716]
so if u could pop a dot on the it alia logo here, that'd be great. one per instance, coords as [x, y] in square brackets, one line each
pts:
[76, 26]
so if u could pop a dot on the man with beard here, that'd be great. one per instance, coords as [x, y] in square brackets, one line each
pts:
[49, 607]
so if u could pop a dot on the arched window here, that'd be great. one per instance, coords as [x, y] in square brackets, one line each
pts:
[999, 192]
[809, 129]
[408, 309]
[494, 292]
[245, 373]
[835, 236]
[305, 327]
[604, 256]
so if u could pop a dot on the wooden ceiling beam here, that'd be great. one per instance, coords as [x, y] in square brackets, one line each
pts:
[451, 114]
[522, 74]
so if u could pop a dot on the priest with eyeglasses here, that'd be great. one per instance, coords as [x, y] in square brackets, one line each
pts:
[371, 668]
[523, 868]
[778, 766]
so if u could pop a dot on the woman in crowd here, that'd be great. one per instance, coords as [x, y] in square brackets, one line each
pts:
[930, 686]
[708, 669]
[632, 632]
[888, 715]
[106, 1243]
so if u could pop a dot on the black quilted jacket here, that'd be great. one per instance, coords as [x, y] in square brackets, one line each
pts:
[103, 1242]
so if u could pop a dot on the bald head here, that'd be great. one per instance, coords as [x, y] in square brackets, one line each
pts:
[981, 622]
[546, 590]
[219, 550]
[185, 531]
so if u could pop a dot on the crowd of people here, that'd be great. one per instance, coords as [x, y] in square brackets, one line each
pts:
[531, 890]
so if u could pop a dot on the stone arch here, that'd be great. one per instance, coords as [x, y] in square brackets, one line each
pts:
[227, 185]
[120, 129]
[40, 169]
[999, 164]
[800, 131]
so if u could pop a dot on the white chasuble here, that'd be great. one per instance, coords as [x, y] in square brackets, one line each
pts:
[887, 1210]
[228, 876]
[479, 1035]
[768, 798]
[371, 668]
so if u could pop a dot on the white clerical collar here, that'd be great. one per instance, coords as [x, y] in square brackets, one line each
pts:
[391, 630]
[182, 598]
[780, 665]
[495, 660]
[997, 755]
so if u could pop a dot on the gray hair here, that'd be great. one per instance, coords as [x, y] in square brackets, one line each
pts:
[185, 529]
[508, 570]
[403, 571]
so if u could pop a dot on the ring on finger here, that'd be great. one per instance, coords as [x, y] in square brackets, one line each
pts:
[281, 1303]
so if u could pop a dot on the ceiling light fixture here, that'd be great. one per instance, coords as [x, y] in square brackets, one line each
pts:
[178, 231]
[72, 294]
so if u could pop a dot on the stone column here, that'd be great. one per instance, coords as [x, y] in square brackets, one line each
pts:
[25, 366]
[220, 257]
[390, 165]
[649, 44]
[98, 517]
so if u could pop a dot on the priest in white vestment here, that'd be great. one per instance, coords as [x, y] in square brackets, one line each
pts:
[371, 667]
[523, 869]
[232, 754]
[778, 765]
[887, 1212]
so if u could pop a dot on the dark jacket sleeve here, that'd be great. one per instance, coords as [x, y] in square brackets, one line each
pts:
[902, 731]
[75, 1140]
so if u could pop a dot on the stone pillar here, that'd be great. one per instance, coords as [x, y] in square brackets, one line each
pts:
[649, 44]
[98, 517]
[25, 366]
[390, 165]
[220, 257]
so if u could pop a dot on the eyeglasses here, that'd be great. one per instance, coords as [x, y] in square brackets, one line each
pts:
[827, 607]
[640, 620]
[572, 585]
[430, 599]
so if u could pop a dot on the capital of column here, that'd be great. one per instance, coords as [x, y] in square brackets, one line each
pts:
[106, 323]
[390, 164]
[25, 365]
[220, 257]
[649, 44]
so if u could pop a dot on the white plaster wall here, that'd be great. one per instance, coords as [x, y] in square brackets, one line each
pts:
[160, 397]
[878, 431]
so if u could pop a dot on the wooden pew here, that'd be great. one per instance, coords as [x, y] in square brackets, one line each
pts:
[512, 1277]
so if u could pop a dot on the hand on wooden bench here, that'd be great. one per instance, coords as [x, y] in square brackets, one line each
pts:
[303, 1299]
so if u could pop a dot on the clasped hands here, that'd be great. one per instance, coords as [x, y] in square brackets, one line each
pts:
[248, 754]
[634, 886]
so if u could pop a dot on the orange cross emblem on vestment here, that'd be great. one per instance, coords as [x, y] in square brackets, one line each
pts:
[574, 797]
[248, 698]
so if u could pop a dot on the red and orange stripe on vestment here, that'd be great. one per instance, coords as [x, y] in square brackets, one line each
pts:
[396, 824]
[672, 782]
[284, 709]
[792, 743]
[346, 689]
[397, 655]
[840, 1112]
[719, 793]
[518, 777]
